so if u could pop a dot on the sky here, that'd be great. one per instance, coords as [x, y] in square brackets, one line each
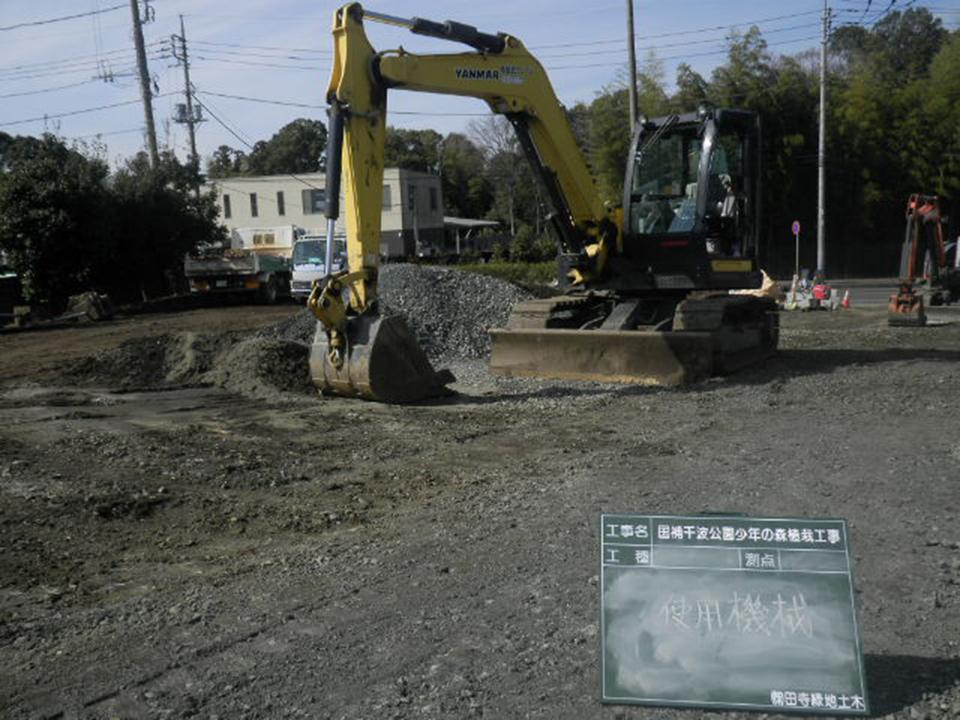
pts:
[257, 65]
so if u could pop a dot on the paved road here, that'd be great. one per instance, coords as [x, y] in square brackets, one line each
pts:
[870, 292]
[877, 292]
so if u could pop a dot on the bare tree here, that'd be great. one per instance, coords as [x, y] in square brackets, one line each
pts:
[495, 137]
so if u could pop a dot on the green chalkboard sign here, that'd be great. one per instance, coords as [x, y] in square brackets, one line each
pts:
[730, 613]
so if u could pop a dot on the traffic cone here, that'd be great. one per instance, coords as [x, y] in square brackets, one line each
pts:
[846, 299]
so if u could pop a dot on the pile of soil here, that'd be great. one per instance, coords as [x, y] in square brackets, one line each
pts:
[168, 360]
[259, 367]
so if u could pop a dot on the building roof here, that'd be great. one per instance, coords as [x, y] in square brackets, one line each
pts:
[468, 222]
[319, 177]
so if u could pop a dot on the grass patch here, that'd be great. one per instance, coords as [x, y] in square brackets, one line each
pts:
[534, 276]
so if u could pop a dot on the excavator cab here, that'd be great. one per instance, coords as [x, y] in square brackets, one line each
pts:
[691, 196]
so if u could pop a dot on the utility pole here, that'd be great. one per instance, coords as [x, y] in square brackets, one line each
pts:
[187, 115]
[822, 149]
[633, 67]
[145, 91]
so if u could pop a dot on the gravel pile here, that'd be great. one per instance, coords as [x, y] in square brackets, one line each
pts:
[448, 310]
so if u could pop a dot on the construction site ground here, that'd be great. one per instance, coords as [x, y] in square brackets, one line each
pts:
[172, 548]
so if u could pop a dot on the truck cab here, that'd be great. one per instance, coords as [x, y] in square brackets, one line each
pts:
[309, 262]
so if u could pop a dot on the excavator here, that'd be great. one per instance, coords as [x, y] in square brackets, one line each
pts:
[924, 271]
[646, 281]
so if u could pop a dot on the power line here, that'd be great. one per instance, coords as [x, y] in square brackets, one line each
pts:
[260, 55]
[673, 57]
[263, 47]
[73, 59]
[72, 112]
[61, 18]
[673, 45]
[677, 33]
[53, 68]
[249, 146]
[46, 90]
[267, 102]
[106, 134]
[216, 117]
[256, 64]
[325, 107]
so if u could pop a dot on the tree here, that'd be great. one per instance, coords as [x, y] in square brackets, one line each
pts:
[691, 89]
[158, 218]
[505, 165]
[466, 189]
[52, 228]
[413, 149]
[226, 162]
[609, 125]
[610, 140]
[905, 43]
[941, 143]
[68, 226]
[297, 147]
[748, 73]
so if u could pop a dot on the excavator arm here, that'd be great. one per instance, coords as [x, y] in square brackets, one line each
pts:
[513, 83]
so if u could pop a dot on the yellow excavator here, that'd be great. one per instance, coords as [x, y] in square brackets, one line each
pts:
[646, 281]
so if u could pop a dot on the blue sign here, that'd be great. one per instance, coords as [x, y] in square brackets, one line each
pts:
[796, 227]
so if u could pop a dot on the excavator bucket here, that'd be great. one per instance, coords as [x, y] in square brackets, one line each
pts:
[905, 308]
[626, 356]
[384, 362]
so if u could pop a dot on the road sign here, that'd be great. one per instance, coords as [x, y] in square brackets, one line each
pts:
[730, 613]
[796, 237]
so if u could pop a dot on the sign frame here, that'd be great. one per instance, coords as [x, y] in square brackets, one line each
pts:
[739, 540]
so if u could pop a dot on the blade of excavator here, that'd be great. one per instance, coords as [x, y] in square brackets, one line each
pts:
[384, 362]
[626, 356]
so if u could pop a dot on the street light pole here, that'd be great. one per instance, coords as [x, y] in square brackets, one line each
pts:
[822, 148]
[633, 67]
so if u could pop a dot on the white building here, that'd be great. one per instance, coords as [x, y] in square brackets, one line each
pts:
[412, 222]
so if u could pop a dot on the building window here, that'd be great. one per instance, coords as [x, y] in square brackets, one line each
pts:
[387, 199]
[411, 197]
[281, 207]
[226, 206]
[314, 202]
[433, 199]
[253, 205]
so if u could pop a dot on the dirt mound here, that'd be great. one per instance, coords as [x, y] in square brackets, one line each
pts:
[253, 366]
[299, 327]
[152, 362]
[261, 367]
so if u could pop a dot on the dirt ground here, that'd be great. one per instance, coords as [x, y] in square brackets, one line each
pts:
[181, 550]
